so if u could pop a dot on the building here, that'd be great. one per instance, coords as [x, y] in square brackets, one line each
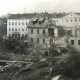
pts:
[41, 31]
[68, 20]
[74, 39]
[17, 25]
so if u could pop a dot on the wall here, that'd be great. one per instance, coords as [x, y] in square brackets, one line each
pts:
[17, 26]
[75, 45]
[35, 35]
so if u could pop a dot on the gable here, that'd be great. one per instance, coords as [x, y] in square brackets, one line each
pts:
[72, 15]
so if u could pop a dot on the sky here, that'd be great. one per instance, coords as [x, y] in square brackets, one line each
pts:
[30, 6]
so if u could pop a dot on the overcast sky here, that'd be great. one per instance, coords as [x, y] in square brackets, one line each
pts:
[17, 6]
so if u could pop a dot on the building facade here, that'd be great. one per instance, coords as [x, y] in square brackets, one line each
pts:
[39, 30]
[17, 25]
[68, 21]
[74, 39]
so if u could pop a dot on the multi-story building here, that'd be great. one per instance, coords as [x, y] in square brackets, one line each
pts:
[74, 39]
[68, 21]
[40, 30]
[17, 25]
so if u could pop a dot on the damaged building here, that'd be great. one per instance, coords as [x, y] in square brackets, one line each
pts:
[41, 30]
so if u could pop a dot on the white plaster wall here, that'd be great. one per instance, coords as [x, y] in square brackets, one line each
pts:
[17, 26]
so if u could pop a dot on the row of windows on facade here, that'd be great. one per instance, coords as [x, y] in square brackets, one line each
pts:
[72, 42]
[16, 29]
[71, 20]
[17, 23]
[38, 40]
[32, 31]
[17, 35]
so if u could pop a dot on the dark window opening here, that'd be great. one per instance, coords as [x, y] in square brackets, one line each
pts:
[43, 31]
[37, 31]
[57, 20]
[15, 29]
[78, 42]
[12, 23]
[72, 41]
[19, 23]
[43, 40]
[32, 40]
[51, 32]
[15, 23]
[71, 20]
[66, 20]
[35, 21]
[37, 40]
[22, 23]
[75, 20]
[31, 31]
[9, 29]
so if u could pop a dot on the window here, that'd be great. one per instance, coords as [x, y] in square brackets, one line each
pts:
[75, 20]
[37, 31]
[78, 42]
[66, 20]
[12, 29]
[43, 40]
[15, 35]
[22, 23]
[19, 23]
[15, 23]
[15, 29]
[25, 36]
[9, 29]
[18, 35]
[37, 40]
[12, 35]
[22, 29]
[31, 31]
[9, 35]
[32, 40]
[71, 20]
[72, 41]
[43, 31]
[19, 29]
[26, 23]
[12, 23]
[22, 35]
[9, 23]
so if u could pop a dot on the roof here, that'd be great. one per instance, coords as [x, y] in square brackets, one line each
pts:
[39, 17]
[62, 15]
[22, 16]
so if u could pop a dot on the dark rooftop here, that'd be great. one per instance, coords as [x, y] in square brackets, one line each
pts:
[22, 16]
[60, 15]
[38, 18]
